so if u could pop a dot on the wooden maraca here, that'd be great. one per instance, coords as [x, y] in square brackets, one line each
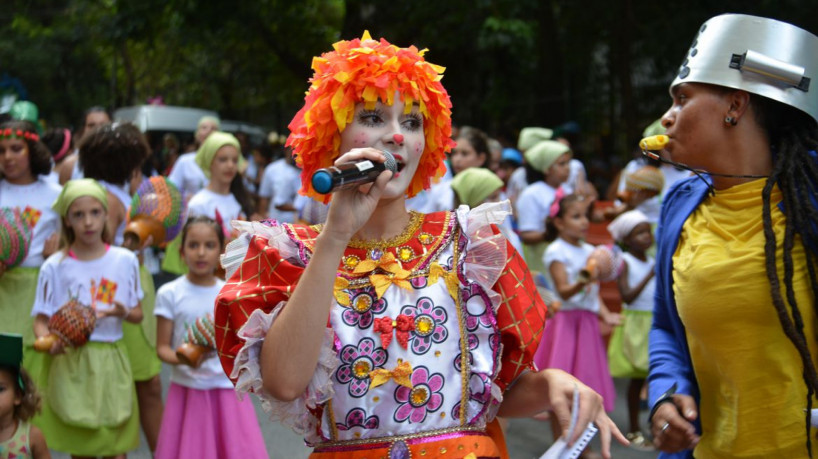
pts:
[72, 325]
[198, 342]
[604, 264]
[157, 211]
[15, 236]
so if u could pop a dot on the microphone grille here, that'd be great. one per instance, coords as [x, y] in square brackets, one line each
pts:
[390, 163]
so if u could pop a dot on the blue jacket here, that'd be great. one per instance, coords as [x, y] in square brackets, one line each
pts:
[668, 351]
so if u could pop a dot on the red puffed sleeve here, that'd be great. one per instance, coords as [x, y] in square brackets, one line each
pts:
[520, 317]
[262, 281]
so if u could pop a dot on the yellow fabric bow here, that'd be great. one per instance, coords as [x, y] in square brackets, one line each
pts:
[450, 277]
[401, 374]
[338, 290]
[395, 274]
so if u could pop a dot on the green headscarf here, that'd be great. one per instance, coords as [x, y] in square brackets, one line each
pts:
[530, 136]
[74, 189]
[475, 184]
[216, 140]
[545, 153]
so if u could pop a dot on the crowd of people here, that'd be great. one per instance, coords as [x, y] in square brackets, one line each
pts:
[410, 316]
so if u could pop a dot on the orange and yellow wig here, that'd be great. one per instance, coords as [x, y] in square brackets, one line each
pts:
[365, 70]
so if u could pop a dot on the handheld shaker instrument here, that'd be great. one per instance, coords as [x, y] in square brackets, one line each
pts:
[15, 237]
[157, 210]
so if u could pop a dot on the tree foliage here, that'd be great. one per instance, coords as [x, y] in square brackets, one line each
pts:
[604, 65]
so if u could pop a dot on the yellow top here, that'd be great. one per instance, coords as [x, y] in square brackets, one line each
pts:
[753, 396]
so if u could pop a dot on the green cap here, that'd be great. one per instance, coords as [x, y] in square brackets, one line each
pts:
[542, 155]
[23, 110]
[475, 184]
[531, 136]
[11, 350]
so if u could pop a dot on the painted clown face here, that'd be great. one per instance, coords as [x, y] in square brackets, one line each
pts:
[387, 127]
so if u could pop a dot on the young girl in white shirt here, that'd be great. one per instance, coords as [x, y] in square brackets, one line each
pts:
[628, 348]
[572, 340]
[203, 418]
[91, 407]
[25, 163]
[223, 199]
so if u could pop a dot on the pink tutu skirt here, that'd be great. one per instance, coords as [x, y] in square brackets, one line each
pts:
[209, 424]
[572, 342]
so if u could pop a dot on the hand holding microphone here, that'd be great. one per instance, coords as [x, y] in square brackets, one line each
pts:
[353, 174]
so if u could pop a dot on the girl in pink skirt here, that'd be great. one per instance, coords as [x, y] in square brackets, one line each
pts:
[203, 417]
[572, 340]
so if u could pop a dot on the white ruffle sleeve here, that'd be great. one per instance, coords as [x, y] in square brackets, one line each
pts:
[486, 252]
[247, 367]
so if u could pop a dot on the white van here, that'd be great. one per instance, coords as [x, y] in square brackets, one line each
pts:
[165, 118]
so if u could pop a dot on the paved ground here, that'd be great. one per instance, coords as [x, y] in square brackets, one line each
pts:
[527, 438]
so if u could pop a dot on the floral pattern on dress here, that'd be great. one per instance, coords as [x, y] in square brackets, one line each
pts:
[477, 314]
[358, 418]
[423, 398]
[362, 309]
[419, 282]
[356, 364]
[430, 323]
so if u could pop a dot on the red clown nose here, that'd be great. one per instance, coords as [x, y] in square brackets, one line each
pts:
[398, 138]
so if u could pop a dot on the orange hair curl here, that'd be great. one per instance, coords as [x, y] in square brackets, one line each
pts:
[365, 70]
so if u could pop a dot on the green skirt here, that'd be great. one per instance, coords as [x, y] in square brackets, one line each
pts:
[18, 290]
[90, 404]
[533, 254]
[140, 339]
[628, 348]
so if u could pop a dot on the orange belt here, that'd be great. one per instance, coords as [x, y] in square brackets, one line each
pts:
[453, 445]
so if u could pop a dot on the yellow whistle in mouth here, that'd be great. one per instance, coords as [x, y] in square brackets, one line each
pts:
[654, 142]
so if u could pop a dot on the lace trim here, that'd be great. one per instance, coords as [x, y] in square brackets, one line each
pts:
[486, 254]
[484, 261]
[247, 372]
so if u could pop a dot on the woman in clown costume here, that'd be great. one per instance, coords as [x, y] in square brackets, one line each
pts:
[386, 332]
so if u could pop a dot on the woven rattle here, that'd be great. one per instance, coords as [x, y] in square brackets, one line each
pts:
[604, 264]
[157, 210]
[200, 340]
[647, 178]
[15, 237]
[72, 325]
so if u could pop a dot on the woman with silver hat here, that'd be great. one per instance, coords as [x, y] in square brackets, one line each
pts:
[733, 347]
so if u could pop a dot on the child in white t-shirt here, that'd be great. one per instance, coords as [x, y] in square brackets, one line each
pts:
[90, 404]
[628, 349]
[224, 199]
[203, 418]
[547, 167]
[572, 340]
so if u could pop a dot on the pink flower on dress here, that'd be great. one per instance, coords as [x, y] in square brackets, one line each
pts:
[424, 397]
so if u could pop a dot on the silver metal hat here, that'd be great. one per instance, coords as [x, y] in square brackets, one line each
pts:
[762, 56]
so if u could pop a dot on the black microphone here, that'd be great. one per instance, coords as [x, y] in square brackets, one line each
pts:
[349, 175]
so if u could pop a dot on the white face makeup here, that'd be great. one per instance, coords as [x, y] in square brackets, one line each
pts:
[387, 127]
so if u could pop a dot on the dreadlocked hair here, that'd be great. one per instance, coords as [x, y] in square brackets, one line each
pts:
[793, 138]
